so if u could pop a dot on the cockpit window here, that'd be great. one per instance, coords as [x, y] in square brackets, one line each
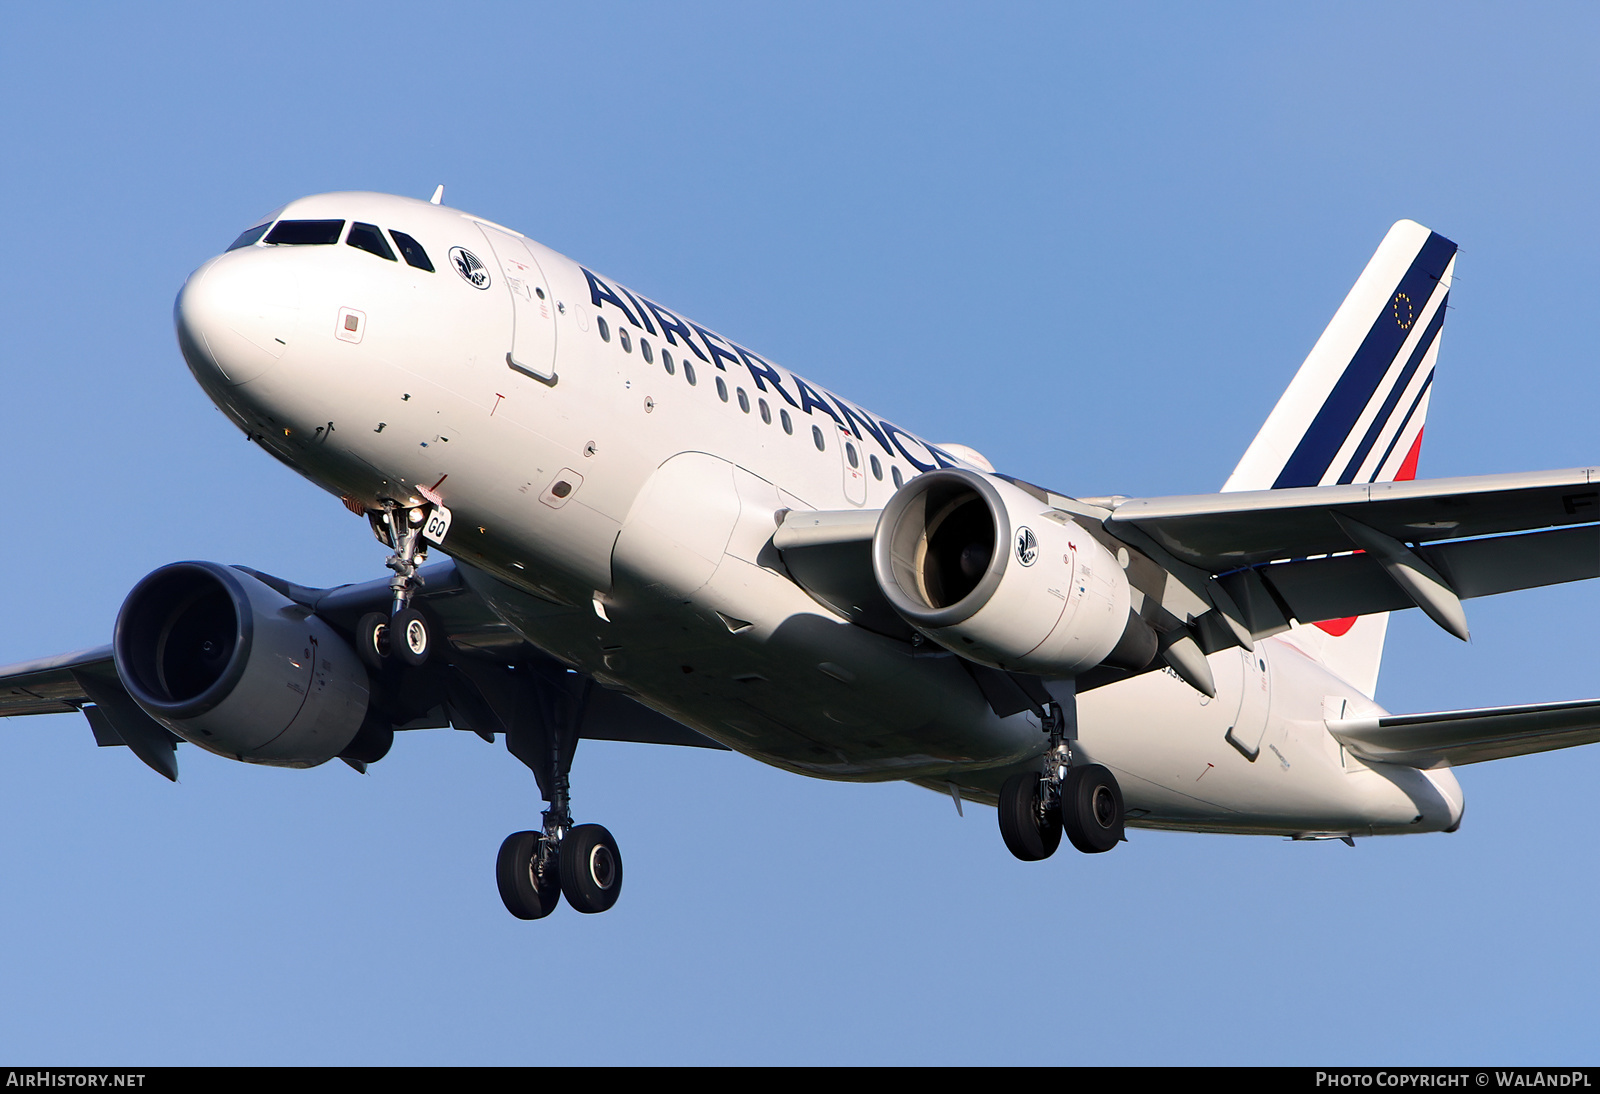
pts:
[305, 232]
[412, 250]
[369, 239]
[249, 236]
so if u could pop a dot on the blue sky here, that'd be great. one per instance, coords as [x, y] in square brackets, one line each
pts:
[1091, 242]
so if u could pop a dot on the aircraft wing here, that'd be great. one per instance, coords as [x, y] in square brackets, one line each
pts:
[459, 688]
[1454, 737]
[47, 686]
[1330, 552]
[1308, 554]
[1221, 532]
[1229, 568]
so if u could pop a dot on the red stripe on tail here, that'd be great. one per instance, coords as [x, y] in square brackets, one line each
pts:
[1408, 469]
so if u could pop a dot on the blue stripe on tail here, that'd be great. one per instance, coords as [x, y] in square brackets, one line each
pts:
[1371, 363]
[1424, 344]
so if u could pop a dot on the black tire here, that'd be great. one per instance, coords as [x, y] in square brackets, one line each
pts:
[591, 869]
[372, 639]
[1091, 808]
[525, 893]
[1028, 835]
[410, 637]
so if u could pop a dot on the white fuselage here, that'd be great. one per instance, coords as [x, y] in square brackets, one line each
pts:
[619, 516]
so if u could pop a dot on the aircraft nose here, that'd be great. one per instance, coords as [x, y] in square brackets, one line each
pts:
[237, 316]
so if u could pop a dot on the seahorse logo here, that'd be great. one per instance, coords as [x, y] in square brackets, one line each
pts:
[1027, 546]
[470, 267]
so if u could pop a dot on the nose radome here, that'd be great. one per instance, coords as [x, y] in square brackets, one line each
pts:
[238, 315]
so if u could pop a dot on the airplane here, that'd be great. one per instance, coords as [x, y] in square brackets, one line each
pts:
[655, 534]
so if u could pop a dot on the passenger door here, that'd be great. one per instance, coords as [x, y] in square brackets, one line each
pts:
[533, 331]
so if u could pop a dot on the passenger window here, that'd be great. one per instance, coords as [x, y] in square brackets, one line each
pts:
[644, 348]
[850, 454]
[369, 239]
[722, 390]
[816, 439]
[688, 372]
[666, 360]
[766, 411]
[249, 236]
[877, 468]
[305, 232]
[744, 401]
[894, 473]
[603, 328]
[627, 343]
[411, 251]
[788, 423]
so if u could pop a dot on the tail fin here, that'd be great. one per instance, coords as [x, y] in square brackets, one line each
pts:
[1356, 409]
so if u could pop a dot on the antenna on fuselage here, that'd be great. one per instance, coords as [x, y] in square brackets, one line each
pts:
[438, 195]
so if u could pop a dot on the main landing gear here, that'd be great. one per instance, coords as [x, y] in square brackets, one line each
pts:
[1037, 806]
[403, 632]
[534, 870]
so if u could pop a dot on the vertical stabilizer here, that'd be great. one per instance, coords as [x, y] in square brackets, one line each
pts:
[1356, 409]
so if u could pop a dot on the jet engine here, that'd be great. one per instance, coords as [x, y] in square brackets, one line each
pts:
[231, 665]
[990, 572]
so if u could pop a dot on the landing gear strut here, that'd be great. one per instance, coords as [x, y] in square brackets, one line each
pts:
[580, 862]
[403, 633]
[1084, 800]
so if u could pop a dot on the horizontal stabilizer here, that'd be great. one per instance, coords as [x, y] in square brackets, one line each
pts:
[1453, 737]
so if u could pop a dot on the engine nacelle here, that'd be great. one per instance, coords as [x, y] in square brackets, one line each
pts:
[231, 665]
[989, 572]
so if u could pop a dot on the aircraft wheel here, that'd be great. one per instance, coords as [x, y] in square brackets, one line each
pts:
[372, 639]
[591, 868]
[410, 638]
[1028, 835]
[1091, 807]
[525, 893]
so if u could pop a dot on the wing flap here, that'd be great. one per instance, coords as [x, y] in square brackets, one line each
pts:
[1455, 737]
[1355, 584]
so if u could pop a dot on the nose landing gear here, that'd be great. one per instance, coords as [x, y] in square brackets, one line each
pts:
[1084, 801]
[404, 632]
